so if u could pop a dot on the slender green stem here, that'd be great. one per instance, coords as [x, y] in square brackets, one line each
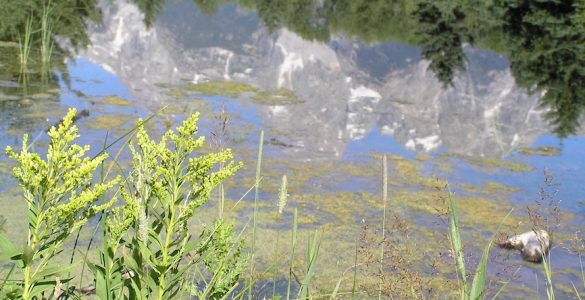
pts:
[275, 266]
[256, 196]
[292, 252]
[384, 199]
[355, 265]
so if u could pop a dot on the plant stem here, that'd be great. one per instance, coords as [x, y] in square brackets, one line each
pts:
[292, 254]
[26, 287]
[256, 191]
[384, 198]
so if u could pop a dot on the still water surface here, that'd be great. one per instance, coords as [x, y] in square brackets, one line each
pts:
[352, 101]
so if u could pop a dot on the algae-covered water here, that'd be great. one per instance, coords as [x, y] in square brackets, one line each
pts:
[330, 109]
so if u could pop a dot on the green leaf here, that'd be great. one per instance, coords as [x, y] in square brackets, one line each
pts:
[478, 285]
[8, 249]
[52, 271]
[6, 245]
[45, 286]
[456, 244]
[150, 282]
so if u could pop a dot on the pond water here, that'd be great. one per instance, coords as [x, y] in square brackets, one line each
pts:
[332, 99]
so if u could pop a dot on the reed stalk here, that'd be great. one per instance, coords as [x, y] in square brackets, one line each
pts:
[47, 42]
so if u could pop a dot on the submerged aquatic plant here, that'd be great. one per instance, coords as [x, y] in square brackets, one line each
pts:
[61, 198]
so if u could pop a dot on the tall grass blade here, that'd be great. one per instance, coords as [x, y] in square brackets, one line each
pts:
[132, 130]
[292, 252]
[281, 204]
[46, 35]
[384, 199]
[582, 272]
[576, 291]
[354, 268]
[25, 43]
[7, 278]
[312, 252]
[355, 260]
[456, 245]
[256, 195]
[275, 271]
[478, 285]
[495, 296]
[550, 293]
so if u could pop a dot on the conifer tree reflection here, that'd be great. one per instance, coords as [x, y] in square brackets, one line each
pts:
[546, 48]
[442, 32]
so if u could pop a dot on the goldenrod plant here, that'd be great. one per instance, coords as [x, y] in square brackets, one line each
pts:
[163, 191]
[61, 198]
[147, 245]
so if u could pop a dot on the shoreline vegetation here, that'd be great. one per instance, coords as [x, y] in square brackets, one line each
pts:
[145, 246]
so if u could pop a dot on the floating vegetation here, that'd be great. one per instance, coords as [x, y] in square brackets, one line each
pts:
[491, 163]
[489, 188]
[163, 85]
[342, 205]
[8, 44]
[198, 102]
[117, 101]
[277, 97]
[409, 174]
[301, 175]
[443, 166]
[476, 212]
[40, 96]
[104, 122]
[540, 151]
[221, 88]
[177, 93]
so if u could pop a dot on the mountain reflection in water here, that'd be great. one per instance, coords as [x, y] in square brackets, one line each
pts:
[543, 41]
[349, 87]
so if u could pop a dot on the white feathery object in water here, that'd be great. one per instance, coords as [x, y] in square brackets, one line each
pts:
[533, 245]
